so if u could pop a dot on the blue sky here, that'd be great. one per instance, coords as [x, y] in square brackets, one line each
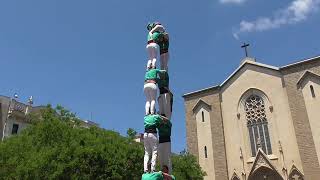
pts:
[90, 57]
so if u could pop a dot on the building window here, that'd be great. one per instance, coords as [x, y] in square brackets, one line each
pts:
[202, 113]
[205, 152]
[15, 128]
[257, 125]
[312, 91]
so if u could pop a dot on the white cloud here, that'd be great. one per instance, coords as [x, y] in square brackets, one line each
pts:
[296, 12]
[233, 1]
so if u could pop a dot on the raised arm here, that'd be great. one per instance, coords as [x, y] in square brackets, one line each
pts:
[161, 71]
[164, 119]
[166, 176]
[158, 27]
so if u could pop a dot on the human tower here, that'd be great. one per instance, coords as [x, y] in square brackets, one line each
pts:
[157, 123]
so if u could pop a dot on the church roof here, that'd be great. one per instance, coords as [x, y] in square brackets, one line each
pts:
[301, 62]
[202, 90]
[306, 74]
[199, 103]
[244, 63]
[250, 61]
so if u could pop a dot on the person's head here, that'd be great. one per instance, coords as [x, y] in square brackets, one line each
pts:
[165, 169]
[150, 26]
[152, 67]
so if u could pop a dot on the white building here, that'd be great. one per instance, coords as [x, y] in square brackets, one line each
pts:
[13, 116]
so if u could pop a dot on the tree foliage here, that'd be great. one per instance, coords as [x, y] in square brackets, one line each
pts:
[57, 147]
[185, 166]
[131, 133]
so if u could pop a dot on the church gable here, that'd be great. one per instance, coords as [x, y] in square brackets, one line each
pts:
[200, 104]
[295, 174]
[235, 176]
[305, 76]
[261, 161]
[247, 64]
[251, 71]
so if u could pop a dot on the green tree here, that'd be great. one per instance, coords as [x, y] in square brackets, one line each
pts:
[185, 167]
[57, 147]
[131, 133]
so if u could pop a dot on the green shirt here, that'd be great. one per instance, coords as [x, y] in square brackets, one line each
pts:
[152, 74]
[165, 129]
[155, 37]
[152, 176]
[173, 178]
[164, 80]
[152, 121]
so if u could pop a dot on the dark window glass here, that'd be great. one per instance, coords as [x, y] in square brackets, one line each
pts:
[256, 135]
[262, 139]
[202, 116]
[15, 128]
[266, 130]
[253, 149]
[257, 124]
[312, 91]
[205, 152]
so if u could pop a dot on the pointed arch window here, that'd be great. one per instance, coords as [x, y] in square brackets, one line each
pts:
[257, 125]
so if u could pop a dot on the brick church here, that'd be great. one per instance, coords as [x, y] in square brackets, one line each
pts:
[261, 123]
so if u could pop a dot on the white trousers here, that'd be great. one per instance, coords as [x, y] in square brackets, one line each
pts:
[164, 60]
[152, 49]
[150, 150]
[164, 102]
[150, 90]
[165, 155]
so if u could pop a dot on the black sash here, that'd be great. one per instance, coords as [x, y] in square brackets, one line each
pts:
[150, 130]
[164, 139]
[163, 90]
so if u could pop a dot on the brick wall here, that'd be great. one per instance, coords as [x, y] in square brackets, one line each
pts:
[211, 97]
[300, 119]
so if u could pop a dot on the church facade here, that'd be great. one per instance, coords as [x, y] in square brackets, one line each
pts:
[262, 122]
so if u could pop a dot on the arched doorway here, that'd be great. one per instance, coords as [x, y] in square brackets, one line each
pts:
[264, 173]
